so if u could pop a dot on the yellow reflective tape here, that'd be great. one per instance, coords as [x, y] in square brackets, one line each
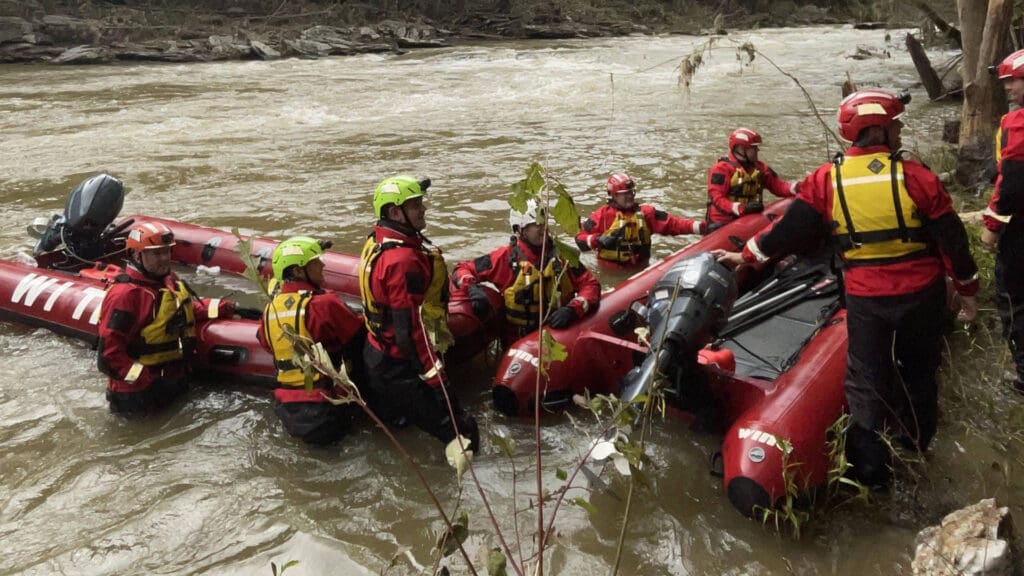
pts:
[870, 109]
[134, 372]
[213, 310]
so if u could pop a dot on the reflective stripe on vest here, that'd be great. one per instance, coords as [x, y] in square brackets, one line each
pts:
[523, 297]
[874, 217]
[635, 241]
[287, 310]
[174, 323]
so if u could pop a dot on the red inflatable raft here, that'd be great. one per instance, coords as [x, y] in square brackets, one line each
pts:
[69, 303]
[66, 298]
[778, 379]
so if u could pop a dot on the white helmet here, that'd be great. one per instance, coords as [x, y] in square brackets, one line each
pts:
[518, 220]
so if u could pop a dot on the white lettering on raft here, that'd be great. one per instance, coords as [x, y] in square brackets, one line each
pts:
[524, 356]
[757, 436]
[30, 288]
[32, 285]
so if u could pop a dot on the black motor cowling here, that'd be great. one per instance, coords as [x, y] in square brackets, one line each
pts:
[686, 309]
[91, 208]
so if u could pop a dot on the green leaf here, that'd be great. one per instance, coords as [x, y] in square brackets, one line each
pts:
[285, 566]
[245, 253]
[561, 474]
[535, 178]
[520, 196]
[624, 418]
[496, 563]
[307, 378]
[567, 251]
[449, 540]
[457, 458]
[584, 504]
[554, 351]
[565, 214]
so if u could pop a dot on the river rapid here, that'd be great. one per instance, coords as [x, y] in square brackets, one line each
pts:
[215, 486]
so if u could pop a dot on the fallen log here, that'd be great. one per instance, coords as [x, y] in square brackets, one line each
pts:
[930, 79]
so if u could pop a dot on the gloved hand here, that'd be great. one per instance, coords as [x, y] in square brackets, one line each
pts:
[478, 300]
[325, 244]
[611, 241]
[753, 207]
[562, 317]
[248, 313]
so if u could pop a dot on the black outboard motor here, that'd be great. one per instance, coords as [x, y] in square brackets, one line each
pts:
[84, 229]
[686, 309]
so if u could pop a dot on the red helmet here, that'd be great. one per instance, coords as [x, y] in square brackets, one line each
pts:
[744, 137]
[149, 236]
[620, 182]
[1012, 66]
[866, 108]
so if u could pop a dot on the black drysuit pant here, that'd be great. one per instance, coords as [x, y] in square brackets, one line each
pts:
[395, 391]
[895, 348]
[1010, 291]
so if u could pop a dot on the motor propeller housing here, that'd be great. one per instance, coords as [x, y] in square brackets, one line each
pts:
[686, 309]
[91, 208]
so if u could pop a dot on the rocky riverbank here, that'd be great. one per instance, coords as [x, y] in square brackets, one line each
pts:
[100, 33]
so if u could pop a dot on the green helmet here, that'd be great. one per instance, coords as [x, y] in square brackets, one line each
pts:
[395, 190]
[295, 251]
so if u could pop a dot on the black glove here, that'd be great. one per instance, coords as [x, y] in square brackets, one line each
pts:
[562, 317]
[611, 241]
[325, 244]
[478, 300]
[712, 226]
[753, 207]
[248, 313]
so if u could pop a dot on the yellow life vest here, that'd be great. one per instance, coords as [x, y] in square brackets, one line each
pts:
[172, 330]
[875, 219]
[433, 311]
[1000, 143]
[635, 240]
[744, 186]
[287, 309]
[523, 297]
[435, 302]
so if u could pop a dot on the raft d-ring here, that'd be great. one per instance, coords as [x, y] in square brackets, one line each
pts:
[716, 466]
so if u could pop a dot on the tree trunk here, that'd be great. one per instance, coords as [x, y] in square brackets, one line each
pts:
[929, 78]
[985, 27]
[949, 31]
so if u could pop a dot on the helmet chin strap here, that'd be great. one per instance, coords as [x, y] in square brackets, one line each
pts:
[741, 155]
[405, 219]
[302, 275]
